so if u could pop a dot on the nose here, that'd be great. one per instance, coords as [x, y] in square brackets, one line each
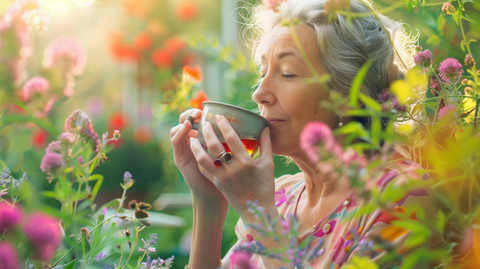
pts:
[264, 95]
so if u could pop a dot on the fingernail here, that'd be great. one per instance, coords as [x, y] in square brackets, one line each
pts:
[218, 118]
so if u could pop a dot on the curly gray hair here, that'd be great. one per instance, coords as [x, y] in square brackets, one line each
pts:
[344, 47]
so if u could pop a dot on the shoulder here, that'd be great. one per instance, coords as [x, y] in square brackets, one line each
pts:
[288, 181]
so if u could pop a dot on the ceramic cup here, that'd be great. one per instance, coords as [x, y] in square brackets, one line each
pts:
[246, 124]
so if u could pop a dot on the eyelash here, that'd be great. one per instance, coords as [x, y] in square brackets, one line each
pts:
[285, 76]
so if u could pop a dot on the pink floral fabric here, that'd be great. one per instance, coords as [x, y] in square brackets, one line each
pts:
[339, 244]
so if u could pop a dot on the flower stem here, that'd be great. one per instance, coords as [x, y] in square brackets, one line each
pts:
[141, 259]
[134, 245]
[76, 198]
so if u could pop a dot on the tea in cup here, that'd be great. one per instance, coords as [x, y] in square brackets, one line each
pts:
[245, 123]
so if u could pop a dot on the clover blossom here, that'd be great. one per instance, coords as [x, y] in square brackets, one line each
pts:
[10, 216]
[54, 147]
[423, 57]
[127, 176]
[448, 109]
[68, 52]
[51, 163]
[45, 234]
[450, 70]
[8, 256]
[34, 87]
[79, 120]
[317, 134]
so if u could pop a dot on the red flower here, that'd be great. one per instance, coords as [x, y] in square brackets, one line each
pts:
[143, 41]
[162, 58]
[39, 137]
[174, 44]
[117, 121]
[193, 74]
[189, 59]
[196, 102]
[187, 10]
[142, 134]
[122, 51]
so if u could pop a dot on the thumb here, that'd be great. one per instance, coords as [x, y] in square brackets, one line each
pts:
[265, 145]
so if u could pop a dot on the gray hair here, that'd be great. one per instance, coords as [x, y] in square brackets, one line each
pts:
[344, 47]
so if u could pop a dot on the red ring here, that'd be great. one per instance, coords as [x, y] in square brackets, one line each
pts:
[217, 163]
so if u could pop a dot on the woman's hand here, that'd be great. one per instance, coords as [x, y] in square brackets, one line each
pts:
[202, 189]
[244, 178]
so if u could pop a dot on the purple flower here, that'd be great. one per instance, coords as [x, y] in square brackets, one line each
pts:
[8, 256]
[9, 216]
[5, 176]
[36, 86]
[80, 160]
[450, 69]
[100, 256]
[79, 120]
[385, 96]
[127, 176]
[314, 134]
[424, 57]
[45, 234]
[54, 147]
[66, 138]
[52, 162]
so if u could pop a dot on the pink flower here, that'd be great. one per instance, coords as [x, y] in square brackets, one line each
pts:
[68, 52]
[273, 4]
[448, 109]
[51, 163]
[80, 120]
[385, 96]
[36, 86]
[315, 134]
[242, 260]
[8, 256]
[66, 138]
[9, 216]
[45, 234]
[3, 192]
[349, 156]
[54, 146]
[423, 57]
[450, 69]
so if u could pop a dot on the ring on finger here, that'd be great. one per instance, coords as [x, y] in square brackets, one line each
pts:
[225, 157]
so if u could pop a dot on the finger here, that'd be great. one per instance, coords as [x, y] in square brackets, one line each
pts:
[265, 145]
[231, 138]
[203, 158]
[181, 133]
[213, 144]
[195, 113]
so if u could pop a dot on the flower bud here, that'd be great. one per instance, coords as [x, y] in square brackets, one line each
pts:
[132, 204]
[418, 48]
[116, 135]
[141, 214]
[469, 61]
[448, 8]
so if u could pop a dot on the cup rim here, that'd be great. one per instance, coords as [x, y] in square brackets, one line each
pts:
[239, 108]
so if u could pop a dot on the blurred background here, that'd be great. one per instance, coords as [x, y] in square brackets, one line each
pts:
[130, 54]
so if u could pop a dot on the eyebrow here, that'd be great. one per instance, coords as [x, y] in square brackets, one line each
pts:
[284, 54]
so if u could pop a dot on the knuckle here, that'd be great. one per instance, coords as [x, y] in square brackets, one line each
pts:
[229, 136]
[202, 159]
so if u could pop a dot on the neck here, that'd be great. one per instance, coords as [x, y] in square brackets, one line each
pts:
[319, 184]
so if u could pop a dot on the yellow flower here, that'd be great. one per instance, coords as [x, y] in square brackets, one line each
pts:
[469, 105]
[404, 89]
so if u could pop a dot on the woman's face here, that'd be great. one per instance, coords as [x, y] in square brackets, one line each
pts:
[284, 97]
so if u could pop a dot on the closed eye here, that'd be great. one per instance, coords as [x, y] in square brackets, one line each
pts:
[289, 75]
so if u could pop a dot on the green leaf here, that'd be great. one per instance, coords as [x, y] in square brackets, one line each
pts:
[47, 126]
[70, 264]
[441, 22]
[370, 102]
[434, 40]
[97, 234]
[410, 260]
[50, 194]
[84, 246]
[96, 188]
[441, 220]
[358, 82]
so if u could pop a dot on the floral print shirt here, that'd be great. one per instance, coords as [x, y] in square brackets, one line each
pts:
[339, 245]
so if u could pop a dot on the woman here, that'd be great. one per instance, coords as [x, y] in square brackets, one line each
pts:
[289, 103]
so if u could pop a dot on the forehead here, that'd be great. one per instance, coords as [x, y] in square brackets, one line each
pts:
[280, 39]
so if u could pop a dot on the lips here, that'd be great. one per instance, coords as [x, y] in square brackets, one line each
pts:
[274, 121]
